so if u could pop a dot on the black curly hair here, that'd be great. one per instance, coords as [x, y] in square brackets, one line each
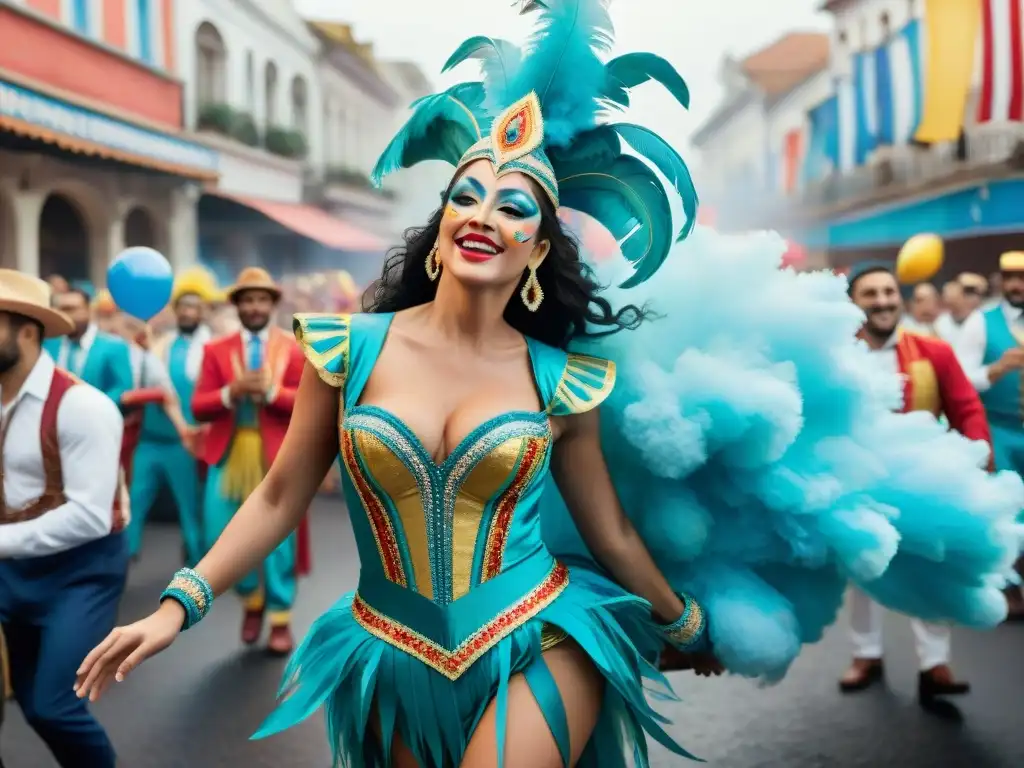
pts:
[572, 308]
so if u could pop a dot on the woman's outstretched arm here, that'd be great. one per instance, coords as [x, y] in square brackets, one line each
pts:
[266, 518]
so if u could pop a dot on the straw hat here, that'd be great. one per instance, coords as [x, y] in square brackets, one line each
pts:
[22, 294]
[1012, 261]
[254, 278]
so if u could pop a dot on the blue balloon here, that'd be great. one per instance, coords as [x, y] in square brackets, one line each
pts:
[140, 282]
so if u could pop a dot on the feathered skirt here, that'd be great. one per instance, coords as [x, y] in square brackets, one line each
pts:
[357, 676]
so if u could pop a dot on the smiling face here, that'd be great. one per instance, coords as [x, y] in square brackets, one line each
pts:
[878, 294]
[490, 231]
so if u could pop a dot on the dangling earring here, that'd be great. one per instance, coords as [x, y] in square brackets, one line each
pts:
[433, 263]
[532, 294]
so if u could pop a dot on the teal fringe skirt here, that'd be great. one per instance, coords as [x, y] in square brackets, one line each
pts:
[356, 675]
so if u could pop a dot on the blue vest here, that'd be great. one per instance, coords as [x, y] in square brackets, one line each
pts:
[107, 367]
[1003, 399]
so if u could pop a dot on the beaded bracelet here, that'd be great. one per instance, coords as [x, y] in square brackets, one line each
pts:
[193, 593]
[686, 631]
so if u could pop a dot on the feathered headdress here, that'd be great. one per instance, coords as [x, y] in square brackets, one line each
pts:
[537, 111]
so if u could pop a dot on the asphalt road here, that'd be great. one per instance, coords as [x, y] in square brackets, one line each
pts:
[196, 705]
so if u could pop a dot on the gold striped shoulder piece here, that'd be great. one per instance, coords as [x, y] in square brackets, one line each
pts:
[324, 339]
[586, 383]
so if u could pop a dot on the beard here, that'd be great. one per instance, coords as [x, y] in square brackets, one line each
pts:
[187, 327]
[254, 324]
[10, 355]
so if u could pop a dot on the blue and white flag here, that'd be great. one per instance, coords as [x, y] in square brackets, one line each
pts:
[899, 86]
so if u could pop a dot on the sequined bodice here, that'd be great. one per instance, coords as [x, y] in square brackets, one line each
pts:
[451, 554]
[443, 528]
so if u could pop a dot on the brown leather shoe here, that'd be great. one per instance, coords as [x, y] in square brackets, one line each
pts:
[862, 674]
[252, 627]
[281, 641]
[940, 681]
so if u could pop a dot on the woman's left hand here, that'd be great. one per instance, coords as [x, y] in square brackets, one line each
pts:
[674, 660]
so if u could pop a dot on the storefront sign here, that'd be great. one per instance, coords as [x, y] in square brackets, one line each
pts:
[28, 106]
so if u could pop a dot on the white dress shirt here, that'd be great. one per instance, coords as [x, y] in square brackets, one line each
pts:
[973, 339]
[885, 356]
[84, 345]
[89, 428]
[922, 329]
[148, 370]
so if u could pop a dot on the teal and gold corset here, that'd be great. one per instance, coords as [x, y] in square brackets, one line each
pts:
[452, 558]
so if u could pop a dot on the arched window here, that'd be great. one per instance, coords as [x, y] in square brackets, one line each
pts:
[211, 66]
[270, 94]
[299, 104]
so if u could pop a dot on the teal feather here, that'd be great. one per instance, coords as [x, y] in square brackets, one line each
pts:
[442, 127]
[498, 58]
[633, 69]
[655, 149]
[621, 196]
[562, 65]
[591, 149]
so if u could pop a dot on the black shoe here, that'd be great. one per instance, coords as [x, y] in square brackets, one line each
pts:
[939, 681]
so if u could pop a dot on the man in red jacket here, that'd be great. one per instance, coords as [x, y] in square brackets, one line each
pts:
[933, 381]
[246, 391]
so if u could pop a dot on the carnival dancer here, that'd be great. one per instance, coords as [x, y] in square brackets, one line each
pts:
[246, 391]
[96, 357]
[991, 348]
[62, 557]
[165, 455]
[507, 600]
[933, 382]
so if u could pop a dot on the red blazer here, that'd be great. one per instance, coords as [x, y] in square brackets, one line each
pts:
[223, 362]
[934, 381]
[224, 359]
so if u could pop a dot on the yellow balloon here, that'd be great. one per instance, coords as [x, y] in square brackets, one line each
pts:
[920, 259]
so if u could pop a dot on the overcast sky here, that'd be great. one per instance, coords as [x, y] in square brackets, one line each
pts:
[694, 36]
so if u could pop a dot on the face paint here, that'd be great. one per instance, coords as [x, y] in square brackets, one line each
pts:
[450, 211]
[520, 237]
[467, 192]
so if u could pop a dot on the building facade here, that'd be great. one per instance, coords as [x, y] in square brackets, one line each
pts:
[94, 155]
[359, 105]
[916, 125]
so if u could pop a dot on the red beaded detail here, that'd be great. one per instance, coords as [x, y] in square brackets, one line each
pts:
[452, 664]
[380, 523]
[497, 536]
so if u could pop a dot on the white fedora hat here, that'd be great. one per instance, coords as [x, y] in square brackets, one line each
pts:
[22, 294]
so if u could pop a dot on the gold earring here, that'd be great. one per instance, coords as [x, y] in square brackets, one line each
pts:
[532, 294]
[433, 262]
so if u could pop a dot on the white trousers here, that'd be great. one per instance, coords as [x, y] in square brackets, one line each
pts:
[932, 641]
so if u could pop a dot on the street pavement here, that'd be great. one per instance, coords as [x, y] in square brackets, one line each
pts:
[196, 705]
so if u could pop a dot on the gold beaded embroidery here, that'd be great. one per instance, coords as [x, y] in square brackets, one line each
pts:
[452, 664]
[691, 628]
[190, 588]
